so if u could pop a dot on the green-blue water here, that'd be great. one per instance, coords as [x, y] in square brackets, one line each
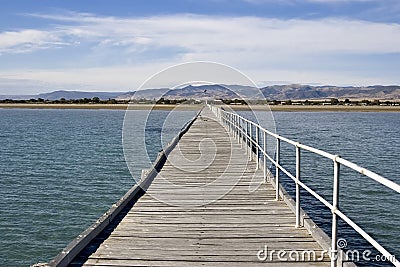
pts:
[61, 169]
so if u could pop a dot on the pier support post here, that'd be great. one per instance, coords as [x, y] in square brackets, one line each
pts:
[298, 222]
[335, 206]
[257, 150]
[246, 125]
[250, 142]
[278, 147]
[240, 123]
[265, 155]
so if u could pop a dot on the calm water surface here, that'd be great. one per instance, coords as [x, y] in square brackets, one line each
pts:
[61, 169]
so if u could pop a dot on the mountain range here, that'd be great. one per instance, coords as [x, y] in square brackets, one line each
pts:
[217, 91]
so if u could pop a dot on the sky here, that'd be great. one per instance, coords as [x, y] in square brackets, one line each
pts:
[104, 45]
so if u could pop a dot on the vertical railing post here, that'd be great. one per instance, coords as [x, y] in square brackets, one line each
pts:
[298, 223]
[277, 159]
[257, 150]
[225, 120]
[335, 206]
[235, 123]
[240, 130]
[265, 155]
[229, 123]
[246, 140]
[251, 142]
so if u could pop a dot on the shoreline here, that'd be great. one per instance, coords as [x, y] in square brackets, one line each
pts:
[284, 108]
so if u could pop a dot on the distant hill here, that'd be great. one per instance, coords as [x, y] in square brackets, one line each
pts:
[217, 91]
[275, 92]
[148, 94]
[283, 92]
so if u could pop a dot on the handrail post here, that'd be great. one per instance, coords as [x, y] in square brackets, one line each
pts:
[241, 132]
[335, 206]
[240, 125]
[246, 136]
[278, 145]
[265, 155]
[230, 123]
[227, 122]
[257, 150]
[298, 223]
[234, 126]
[237, 128]
[251, 142]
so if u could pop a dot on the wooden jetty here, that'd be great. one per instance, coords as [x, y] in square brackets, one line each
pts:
[207, 205]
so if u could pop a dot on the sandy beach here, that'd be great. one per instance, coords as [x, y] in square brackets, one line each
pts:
[287, 108]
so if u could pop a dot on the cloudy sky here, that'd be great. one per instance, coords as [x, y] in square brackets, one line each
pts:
[104, 45]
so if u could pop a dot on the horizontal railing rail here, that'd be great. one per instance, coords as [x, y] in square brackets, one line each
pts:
[255, 138]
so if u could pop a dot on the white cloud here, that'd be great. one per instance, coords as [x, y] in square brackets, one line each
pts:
[28, 40]
[198, 33]
[282, 48]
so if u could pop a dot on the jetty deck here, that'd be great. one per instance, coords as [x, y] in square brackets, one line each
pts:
[208, 206]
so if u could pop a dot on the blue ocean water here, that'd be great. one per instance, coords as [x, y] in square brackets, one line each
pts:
[62, 169]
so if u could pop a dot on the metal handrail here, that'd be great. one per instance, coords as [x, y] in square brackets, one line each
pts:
[242, 129]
